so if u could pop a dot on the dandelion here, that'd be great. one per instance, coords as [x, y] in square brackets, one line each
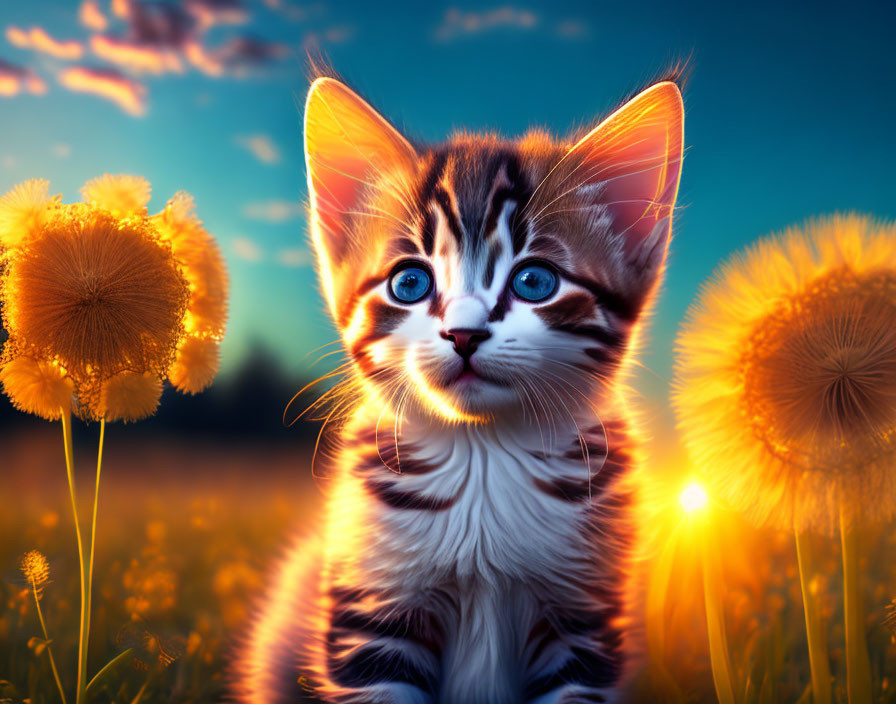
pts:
[97, 295]
[37, 387]
[36, 571]
[786, 393]
[102, 302]
[196, 362]
[120, 195]
[24, 210]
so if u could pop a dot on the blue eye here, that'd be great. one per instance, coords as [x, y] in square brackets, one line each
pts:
[534, 282]
[411, 284]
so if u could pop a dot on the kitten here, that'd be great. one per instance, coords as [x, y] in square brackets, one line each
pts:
[476, 536]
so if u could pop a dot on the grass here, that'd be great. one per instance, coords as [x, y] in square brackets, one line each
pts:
[187, 530]
[185, 535]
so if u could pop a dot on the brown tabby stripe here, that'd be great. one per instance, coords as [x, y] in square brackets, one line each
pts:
[516, 190]
[436, 304]
[428, 232]
[573, 308]
[430, 180]
[608, 338]
[444, 202]
[606, 299]
[606, 464]
[494, 253]
[382, 319]
[410, 500]
[399, 246]
[500, 310]
[400, 462]
[547, 246]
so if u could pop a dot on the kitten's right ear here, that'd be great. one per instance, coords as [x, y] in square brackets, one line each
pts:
[348, 147]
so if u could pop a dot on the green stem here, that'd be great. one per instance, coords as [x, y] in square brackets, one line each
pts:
[715, 619]
[70, 471]
[43, 627]
[858, 667]
[96, 501]
[818, 652]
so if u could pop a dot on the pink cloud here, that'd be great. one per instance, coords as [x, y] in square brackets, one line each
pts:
[37, 39]
[90, 16]
[16, 79]
[131, 56]
[214, 12]
[128, 94]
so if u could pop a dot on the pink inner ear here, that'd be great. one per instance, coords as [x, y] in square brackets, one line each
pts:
[347, 145]
[636, 155]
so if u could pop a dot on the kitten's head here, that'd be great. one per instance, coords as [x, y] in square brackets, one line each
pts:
[484, 275]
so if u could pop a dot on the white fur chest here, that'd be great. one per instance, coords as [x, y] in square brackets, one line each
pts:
[499, 523]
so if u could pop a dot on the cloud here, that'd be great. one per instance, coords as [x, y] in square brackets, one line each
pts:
[273, 211]
[571, 29]
[61, 150]
[214, 12]
[236, 57]
[163, 38]
[292, 11]
[261, 147]
[108, 83]
[37, 39]
[246, 249]
[90, 16]
[135, 57]
[17, 79]
[457, 23]
[294, 258]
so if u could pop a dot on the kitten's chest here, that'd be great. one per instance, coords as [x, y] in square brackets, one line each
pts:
[488, 512]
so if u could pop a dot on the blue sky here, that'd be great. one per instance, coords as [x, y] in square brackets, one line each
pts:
[790, 113]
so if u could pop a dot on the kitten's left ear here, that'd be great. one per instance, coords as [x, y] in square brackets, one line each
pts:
[630, 166]
[349, 149]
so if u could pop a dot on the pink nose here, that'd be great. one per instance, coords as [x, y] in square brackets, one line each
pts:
[466, 340]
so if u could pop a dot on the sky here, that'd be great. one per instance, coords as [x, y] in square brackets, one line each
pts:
[789, 114]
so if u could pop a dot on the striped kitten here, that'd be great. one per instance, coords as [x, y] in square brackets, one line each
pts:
[475, 540]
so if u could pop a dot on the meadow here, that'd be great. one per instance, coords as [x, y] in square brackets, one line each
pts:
[188, 528]
[186, 531]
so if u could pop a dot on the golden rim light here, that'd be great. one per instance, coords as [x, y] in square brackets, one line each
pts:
[786, 376]
[102, 301]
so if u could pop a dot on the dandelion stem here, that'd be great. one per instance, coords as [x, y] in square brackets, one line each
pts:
[818, 651]
[858, 667]
[70, 471]
[96, 500]
[656, 616]
[715, 619]
[43, 627]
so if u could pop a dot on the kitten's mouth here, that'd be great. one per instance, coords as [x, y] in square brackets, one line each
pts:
[468, 375]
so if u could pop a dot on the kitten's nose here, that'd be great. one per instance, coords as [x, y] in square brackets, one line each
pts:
[466, 340]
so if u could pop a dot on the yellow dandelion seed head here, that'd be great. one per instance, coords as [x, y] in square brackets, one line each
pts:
[196, 364]
[121, 195]
[37, 387]
[130, 396]
[35, 568]
[786, 376]
[202, 262]
[24, 210]
[99, 294]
